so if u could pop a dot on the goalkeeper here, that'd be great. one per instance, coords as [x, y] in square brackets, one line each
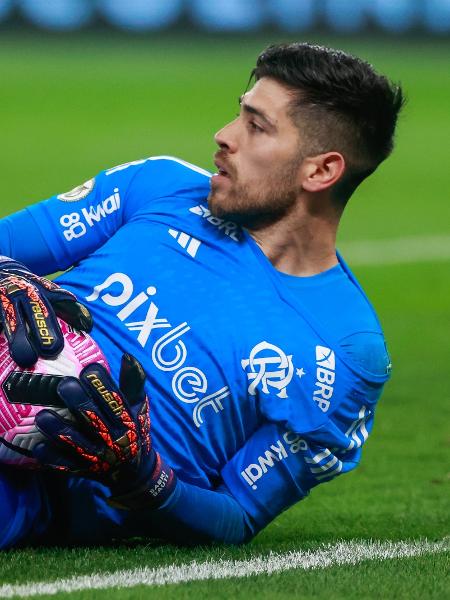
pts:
[262, 358]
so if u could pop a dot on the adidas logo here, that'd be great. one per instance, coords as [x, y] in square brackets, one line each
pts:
[190, 244]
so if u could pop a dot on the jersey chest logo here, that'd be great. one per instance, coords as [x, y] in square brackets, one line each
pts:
[169, 352]
[269, 367]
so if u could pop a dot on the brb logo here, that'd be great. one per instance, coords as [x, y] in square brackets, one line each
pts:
[269, 366]
[325, 377]
[169, 353]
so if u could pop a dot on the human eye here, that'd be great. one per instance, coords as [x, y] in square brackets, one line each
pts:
[254, 127]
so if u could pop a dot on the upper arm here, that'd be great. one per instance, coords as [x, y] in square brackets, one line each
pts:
[268, 474]
[312, 434]
[54, 234]
[75, 223]
[68, 227]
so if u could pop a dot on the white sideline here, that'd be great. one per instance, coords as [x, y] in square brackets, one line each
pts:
[342, 553]
[425, 248]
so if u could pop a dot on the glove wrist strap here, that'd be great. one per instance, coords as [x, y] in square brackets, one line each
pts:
[151, 495]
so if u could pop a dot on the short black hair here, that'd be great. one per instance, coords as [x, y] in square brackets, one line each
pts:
[342, 103]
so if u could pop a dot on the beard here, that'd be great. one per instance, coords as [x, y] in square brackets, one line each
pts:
[255, 205]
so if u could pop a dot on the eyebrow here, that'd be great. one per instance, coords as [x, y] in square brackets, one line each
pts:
[248, 108]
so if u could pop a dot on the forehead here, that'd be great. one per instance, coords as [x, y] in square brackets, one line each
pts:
[270, 97]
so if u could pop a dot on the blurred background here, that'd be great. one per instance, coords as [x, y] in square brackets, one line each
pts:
[234, 15]
[89, 84]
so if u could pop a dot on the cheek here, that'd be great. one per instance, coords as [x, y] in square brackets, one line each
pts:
[255, 166]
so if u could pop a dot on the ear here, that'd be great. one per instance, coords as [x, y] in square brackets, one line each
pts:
[322, 171]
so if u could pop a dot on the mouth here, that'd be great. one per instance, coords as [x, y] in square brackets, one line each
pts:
[222, 170]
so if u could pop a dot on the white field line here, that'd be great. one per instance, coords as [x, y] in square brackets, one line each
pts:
[329, 555]
[397, 251]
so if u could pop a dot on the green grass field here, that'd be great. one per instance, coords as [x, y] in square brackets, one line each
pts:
[72, 106]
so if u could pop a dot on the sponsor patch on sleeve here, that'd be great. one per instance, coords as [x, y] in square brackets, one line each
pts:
[78, 193]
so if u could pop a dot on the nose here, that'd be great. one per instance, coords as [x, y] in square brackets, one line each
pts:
[226, 138]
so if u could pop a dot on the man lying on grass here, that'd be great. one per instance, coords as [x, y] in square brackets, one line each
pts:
[262, 359]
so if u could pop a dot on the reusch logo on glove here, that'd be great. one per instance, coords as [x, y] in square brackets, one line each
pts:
[41, 323]
[112, 399]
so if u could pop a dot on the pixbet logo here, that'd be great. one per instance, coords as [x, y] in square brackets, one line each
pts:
[75, 227]
[169, 352]
[269, 366]
[197, 384]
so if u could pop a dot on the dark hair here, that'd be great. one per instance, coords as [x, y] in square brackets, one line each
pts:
[342, 103]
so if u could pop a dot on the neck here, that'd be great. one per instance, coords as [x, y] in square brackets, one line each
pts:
[302, 242]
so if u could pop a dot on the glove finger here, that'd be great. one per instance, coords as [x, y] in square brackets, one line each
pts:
[73, 313]
[132, 380]
[77, 449]
[20, 347]
[101, 387]
[53, 426]
[72, 393]
[51, 289]
[48, 455]
[64, 302]
[95, 400]
[44, 328]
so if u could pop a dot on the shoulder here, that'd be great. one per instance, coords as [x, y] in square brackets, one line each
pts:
[368, 350]
[159, 175]
[168, 163]
[361, 338]
[172, 170]
[179, 165]
[351, 319]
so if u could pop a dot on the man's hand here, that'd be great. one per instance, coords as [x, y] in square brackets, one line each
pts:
[29, 305]
[110, 439]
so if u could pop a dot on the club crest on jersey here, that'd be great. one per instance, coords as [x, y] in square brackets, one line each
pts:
[78, 193]
[269, 367]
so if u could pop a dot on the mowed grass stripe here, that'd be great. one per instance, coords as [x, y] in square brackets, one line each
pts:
[329, 555]
[425, 248]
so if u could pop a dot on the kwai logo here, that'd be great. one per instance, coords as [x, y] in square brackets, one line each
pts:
[75, 226]
[325, 377]
[269, 366]
[169, 352]
[277, 452]
[228, 227]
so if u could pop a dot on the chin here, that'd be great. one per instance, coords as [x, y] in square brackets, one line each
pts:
[217, 203]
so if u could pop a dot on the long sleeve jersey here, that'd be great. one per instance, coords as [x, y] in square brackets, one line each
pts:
[262, 384]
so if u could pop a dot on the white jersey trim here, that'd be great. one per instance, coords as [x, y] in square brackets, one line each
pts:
[182, 162]
[162, 157]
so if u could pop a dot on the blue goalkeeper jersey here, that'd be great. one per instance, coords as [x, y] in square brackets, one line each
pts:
[261, 383]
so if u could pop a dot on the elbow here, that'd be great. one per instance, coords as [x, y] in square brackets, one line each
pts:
[237, 531]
